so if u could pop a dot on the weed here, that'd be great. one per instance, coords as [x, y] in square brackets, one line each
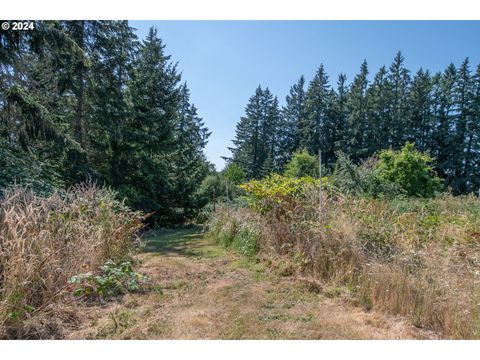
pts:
[46, 241]
[113, 279]
[414, 257]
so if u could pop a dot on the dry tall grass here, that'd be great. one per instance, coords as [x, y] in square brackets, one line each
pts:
[417, 258]
[45, 241]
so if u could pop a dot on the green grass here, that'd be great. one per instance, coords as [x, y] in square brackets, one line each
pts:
[174, 241]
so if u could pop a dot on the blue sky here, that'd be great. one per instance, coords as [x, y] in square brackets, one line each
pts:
[224, 61]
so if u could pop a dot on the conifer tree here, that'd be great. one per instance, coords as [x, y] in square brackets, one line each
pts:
[356, 145]
[316, 111]
[255, 137]
[444, 87]
[399, 82]
[463, 98]
[420, 120]
[114, 47]
[292, 115]
[378, 112]
[340, 114]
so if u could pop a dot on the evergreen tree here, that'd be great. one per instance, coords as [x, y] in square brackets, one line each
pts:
[255, 137]
[399, 82]
[114, 47]
[378, 112]
[340, 114]
[317, 103]
[420, 120]
[472, 165]
[463, 98]
[148, 136]
[444, 87]
[356, 145]
[291, 117]
[189, 166]
[82, 99]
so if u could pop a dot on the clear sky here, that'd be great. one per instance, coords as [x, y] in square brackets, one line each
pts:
[224, 61]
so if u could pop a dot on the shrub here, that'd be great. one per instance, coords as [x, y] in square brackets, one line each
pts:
[302, 164]
[234, 173]
[362, 179]
[278, 192]
[410, 170]
[46, 241]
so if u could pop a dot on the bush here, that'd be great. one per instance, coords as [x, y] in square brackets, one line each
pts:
[363, 179]
[234, 173]
[46, 241]
[302, 164]
[277, 191]
[410, 170]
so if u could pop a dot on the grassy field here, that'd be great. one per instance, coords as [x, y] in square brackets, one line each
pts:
[417, 258]
[370, 269]
[200, 290]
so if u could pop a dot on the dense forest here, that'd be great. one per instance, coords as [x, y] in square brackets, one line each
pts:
[87, 101]
[439, 112]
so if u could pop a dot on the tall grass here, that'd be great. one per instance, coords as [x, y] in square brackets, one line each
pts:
[45, 241]
[416, 258]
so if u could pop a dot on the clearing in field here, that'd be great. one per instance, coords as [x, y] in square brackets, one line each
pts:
[202, 291]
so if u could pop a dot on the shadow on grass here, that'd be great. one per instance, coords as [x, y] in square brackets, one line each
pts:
[182, 241]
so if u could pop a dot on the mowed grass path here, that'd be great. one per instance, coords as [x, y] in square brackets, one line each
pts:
[202, 291]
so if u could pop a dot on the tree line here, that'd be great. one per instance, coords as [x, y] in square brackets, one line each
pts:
[88, 101]
[439, 113]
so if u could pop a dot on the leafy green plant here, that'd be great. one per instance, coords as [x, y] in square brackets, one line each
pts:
[411, 170]
[234, 174]
[302, 164]
[362, 179]
[113, 279]
[246, 241]
[276, 191]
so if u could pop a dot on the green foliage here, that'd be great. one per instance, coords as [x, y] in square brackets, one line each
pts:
[210, 184]
[278, 186]
[277, 191]
[113, 279]
[241, 235]
[234, 173]
[302, 164]
[362, 179]
[438, 112]
[246, 241]
[94, 102]
[410, 170]
[28, 169]
[254, 140]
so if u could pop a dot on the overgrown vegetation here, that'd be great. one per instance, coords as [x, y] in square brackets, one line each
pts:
[390, 173]
[409, 255]
[45, 241]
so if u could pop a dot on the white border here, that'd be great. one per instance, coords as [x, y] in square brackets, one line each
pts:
[241, 9]
[241, 350]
